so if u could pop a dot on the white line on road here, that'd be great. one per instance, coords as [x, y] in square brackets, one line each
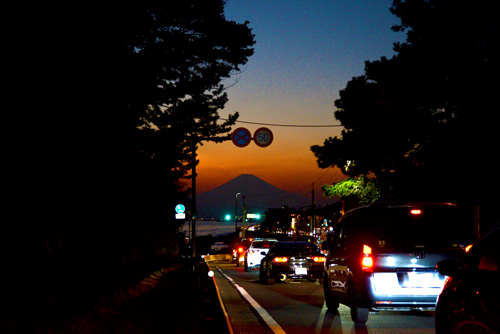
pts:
[321, 319]
[262, 312]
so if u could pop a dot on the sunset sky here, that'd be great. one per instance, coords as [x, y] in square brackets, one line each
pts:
[306, 51]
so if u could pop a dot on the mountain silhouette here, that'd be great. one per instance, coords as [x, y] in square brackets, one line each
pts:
[259, 196]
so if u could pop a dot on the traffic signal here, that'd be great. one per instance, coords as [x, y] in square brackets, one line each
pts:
[227, 217]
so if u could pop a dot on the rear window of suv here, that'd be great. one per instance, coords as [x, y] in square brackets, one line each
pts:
[441, 225]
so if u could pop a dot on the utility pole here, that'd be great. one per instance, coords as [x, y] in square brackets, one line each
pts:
[244, 218]
[193, 197]
[236, 213]
[313, 214]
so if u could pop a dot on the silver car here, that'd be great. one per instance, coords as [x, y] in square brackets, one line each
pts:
[384, 257]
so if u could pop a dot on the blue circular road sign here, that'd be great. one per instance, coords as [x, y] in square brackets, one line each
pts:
[179, 208]
[241, 137]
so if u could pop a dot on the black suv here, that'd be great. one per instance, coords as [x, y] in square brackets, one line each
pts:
[385, 256]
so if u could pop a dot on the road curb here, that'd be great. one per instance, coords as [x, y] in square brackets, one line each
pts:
[243, 316]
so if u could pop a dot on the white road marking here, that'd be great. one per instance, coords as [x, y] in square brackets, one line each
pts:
[321, 319]
[262, 312]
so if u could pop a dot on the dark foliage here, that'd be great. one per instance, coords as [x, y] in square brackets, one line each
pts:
[107, 104]
[423, 122]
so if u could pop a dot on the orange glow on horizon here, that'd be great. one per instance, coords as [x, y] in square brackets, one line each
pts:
[285, 170]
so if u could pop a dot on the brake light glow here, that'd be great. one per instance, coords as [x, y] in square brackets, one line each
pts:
[319, 259]
[416, 212]
[280, 259]
[367, 260]
[241, 250]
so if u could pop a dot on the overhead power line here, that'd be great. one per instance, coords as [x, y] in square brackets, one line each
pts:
[288, 125]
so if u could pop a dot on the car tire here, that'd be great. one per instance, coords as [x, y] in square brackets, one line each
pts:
[266, 277]
[331, 303]
[359, 314]
[247, 269]
[261, 273]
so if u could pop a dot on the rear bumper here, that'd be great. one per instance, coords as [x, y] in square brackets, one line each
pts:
[254, 261]
[313, 272]
[398, 297]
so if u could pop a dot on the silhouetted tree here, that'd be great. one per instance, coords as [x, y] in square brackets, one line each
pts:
[423, 119]
[110, 99]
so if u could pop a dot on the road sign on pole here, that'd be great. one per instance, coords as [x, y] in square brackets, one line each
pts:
[179, 209]
[241, 137]
[263, 137]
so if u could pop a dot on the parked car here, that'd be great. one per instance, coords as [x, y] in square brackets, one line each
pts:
[256, 252]
[239, 251]
[291, 260]
[470, 301]
[385, 256]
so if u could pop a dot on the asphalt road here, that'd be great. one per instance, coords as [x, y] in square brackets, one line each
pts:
[298, 307]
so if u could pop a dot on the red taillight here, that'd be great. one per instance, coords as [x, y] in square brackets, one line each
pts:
[367, 261]
[319, 259]
[241, 249]
[280, 259]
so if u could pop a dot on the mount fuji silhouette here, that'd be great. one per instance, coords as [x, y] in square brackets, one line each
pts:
[258, 196]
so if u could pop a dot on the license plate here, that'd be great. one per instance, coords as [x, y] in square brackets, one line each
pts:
[300, 271]
[422, 280]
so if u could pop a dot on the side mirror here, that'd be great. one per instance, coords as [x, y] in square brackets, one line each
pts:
[450, 267]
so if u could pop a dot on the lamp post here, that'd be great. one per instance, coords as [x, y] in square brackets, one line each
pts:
[244, 218]
[236, 213]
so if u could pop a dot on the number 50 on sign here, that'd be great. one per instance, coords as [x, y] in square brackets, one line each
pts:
[263, 137]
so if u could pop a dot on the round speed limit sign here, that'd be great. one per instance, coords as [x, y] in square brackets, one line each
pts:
[263, 137]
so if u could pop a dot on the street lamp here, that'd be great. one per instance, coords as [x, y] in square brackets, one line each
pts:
[236, 212]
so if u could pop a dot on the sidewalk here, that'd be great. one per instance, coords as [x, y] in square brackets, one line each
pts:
[243, 317]
[173, 299]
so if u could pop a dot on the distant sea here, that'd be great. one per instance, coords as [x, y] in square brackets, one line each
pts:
[210, 227]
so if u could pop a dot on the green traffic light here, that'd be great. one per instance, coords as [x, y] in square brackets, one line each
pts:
[257, 216]
[228, 217]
